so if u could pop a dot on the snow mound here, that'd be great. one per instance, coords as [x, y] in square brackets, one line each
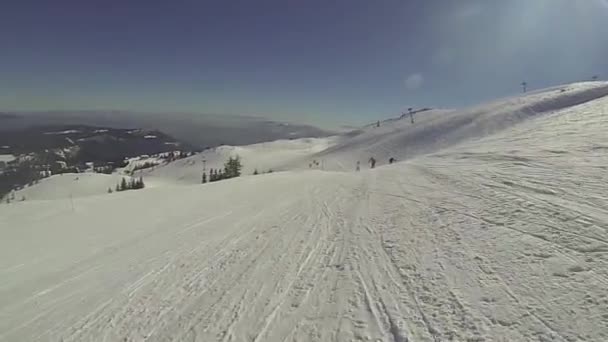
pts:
[261, 157]
[435, 130]
[68, 185]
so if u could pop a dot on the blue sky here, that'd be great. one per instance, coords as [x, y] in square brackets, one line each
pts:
[318, 61]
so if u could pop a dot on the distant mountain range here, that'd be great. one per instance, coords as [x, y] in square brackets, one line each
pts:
[4, 116]
[200, 130]
[44, 150]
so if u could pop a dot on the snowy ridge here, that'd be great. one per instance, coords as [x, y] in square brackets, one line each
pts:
[495, 238]
[64, 186]
[273, 155]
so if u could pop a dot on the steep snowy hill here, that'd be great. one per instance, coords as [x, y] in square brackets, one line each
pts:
[436, 130]
[497, 238]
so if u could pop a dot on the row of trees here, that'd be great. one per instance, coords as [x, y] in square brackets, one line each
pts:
[232, 169]
[133, 184]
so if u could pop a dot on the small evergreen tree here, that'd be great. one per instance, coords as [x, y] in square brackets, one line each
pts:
[110, 190]
[233, 167]
[204, 177]
[22, 198]
[123, 184]
[117, 188]
[255, 172]
[141, 184]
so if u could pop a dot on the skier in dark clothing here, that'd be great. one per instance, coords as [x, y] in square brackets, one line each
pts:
[372, 162]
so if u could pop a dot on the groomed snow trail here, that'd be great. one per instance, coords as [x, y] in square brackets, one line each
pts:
[500, 239]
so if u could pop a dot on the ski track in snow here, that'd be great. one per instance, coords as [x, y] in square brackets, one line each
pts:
[504, 238]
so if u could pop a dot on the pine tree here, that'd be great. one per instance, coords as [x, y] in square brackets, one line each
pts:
[233, 167]
[237, 167]
[124, 185]
[255, 172]
[228, 168]
[110, 190]
[117, 188]
[141, 183]
[204, 177]
[212, 175]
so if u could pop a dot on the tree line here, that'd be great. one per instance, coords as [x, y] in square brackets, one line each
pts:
[132, 184]
[232, 169]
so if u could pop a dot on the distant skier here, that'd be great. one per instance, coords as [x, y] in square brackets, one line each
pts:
[358, 166]
[392, 160]
[372, 162]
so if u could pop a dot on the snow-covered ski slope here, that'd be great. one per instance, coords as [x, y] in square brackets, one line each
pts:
[499, 238]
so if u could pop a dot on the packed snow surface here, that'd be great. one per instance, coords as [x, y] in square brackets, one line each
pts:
[502, 237]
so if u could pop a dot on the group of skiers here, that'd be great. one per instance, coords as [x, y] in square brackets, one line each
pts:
[372, 163]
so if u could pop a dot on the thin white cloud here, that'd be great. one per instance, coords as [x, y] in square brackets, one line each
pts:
[414, 81]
